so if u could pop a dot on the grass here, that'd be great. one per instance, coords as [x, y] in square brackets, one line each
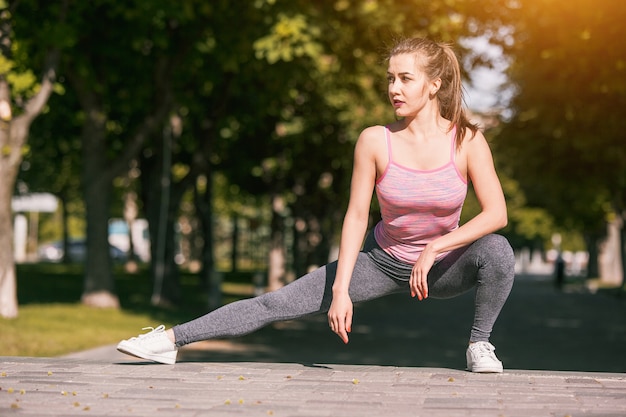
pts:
[53, 322]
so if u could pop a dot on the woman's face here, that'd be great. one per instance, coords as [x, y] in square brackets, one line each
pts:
[409, 89]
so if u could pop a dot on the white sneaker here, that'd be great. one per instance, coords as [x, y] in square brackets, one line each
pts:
[154, 345]
[482, 358]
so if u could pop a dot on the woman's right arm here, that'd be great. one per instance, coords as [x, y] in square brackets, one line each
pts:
[353, 230]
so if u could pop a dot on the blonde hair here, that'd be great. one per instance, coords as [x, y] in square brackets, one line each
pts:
[438, 60]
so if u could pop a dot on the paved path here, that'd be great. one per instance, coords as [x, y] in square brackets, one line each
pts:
[67, 387]
[564, 354]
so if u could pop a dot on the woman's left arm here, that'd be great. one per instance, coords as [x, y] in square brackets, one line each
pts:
[493, 215]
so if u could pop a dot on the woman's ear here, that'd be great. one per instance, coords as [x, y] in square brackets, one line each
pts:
[435, 85]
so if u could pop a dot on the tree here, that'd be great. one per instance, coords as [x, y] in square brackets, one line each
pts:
[564, 141]
[122, 79]
[22, 99]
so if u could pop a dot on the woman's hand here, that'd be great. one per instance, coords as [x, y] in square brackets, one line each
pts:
[419, 275]
[340, 316]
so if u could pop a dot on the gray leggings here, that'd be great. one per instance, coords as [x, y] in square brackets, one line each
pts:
[487, 264]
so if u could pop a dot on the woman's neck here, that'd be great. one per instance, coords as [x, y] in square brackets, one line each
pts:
[423, 126]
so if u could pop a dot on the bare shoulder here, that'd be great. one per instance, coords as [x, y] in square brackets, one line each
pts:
[473, 152]
[478, 158]
[372, 134]
[471, 136]
[476, 144]
[371, 139]
[371, 150]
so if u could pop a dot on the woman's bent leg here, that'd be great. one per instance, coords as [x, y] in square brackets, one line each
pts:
[308, 295]
[487, 264]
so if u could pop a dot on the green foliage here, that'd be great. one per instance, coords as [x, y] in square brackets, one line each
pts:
[290, 37]
[564, 142]
[6, 65]
[22, 83]
[529, 223]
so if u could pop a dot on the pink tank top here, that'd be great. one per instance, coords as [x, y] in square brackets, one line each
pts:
[417, 206]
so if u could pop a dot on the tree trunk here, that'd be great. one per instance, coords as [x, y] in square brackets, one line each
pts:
[276, 267]
[13, 137]
[164, 271]
[130, 216]
[8, 170]
[610, 261]
[166, 283]
[8, 285]
[234, 251]
[623, 247]
[99, 287]
[211, 279]
[65, 234]
[161, 212]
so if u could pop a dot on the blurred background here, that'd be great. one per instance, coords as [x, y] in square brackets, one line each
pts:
[178, 155]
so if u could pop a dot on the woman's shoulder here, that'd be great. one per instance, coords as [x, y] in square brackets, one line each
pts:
[469, 130]
[371, 142]
[372, 137]
[474, 139]
[376, 131]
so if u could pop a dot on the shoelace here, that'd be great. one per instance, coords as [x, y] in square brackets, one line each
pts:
[151, 332]
[484, 350]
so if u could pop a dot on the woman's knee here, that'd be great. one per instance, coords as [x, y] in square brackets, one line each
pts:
[496, 248]
[273, 301]
[302, 296]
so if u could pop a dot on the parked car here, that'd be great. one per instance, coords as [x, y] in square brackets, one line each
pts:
[77, 251]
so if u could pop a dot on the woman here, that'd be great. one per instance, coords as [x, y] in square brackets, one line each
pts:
[419, 167]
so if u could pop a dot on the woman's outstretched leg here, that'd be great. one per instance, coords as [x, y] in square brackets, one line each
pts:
[306, 296]
[311, 294]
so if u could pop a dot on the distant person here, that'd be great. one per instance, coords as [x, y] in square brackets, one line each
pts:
[559, 271]
[419, 166]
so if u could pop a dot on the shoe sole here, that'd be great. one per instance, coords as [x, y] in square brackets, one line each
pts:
[485, 370]
[167, 358]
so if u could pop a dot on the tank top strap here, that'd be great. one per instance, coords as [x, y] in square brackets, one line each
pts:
[388, 140]
[453, 144]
